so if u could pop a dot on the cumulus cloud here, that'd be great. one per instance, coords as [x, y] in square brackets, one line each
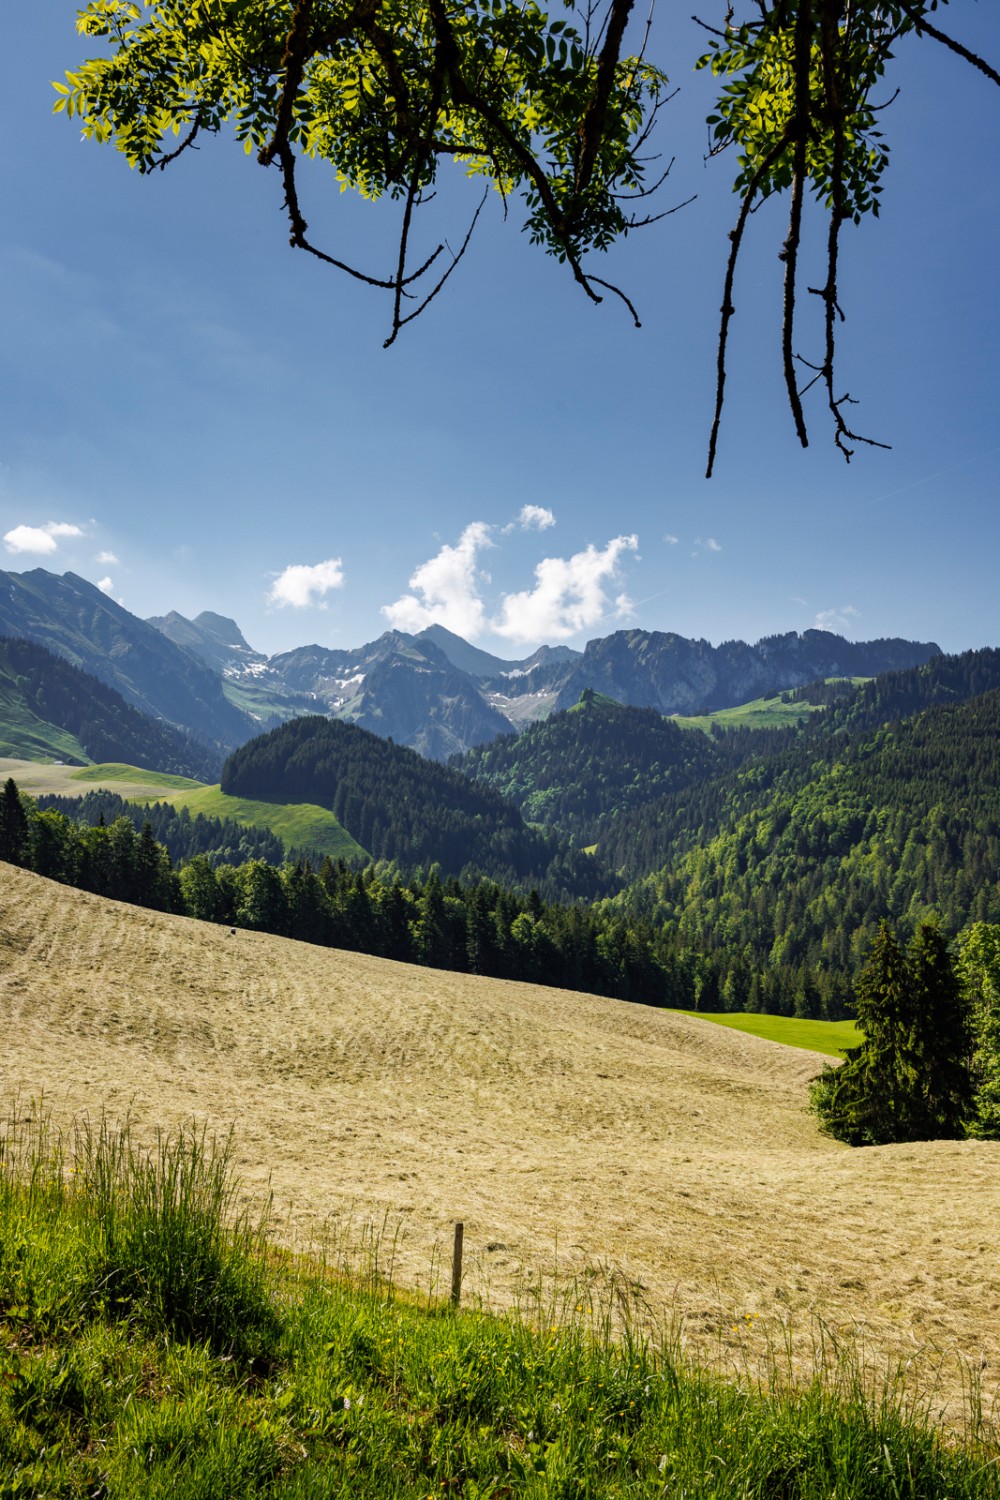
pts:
[530, 518]
[301, 585]
[712, 544]
[108, 558]
[42, 540]
[569, 594]
[105, 585]
[670, 539]
[536, 518]
[447, 588]
[836, 620]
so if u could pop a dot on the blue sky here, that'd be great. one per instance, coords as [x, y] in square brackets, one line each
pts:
[190, 409]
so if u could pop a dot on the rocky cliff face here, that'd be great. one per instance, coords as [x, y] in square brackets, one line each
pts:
[650, 669]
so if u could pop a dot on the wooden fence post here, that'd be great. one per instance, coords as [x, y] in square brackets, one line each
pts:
[456, 1266]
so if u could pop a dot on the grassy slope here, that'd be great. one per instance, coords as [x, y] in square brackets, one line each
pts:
[760, 713]
[299, 824]
[252, 1379]
[831, 1038]
[24, 735]
[674, 1149]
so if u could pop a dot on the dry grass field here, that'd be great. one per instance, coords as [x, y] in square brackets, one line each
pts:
[559, 1127]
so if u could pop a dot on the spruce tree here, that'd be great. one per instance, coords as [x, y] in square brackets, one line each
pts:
[979, 972]
[941, 1040]
[908, 1080]
[13, 825]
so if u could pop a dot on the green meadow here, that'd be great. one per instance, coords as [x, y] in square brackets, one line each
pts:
[301, 825]
[761, 713]
[24, 735]
[829, 1037]
[153, 1344]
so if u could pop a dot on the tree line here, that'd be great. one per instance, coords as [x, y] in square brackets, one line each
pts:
[221, 840]
[475, 927]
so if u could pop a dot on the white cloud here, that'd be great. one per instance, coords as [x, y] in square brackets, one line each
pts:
[797, 600]
[302, 586]
[713, 545]
[448, 586]
[836, 620]
[106, 557]
[105, 585]
[530, 518]
[670, 539]
[568, 596]
[42, 540]
[536, 517]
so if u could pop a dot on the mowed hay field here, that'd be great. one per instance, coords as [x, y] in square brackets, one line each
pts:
[561, 1128]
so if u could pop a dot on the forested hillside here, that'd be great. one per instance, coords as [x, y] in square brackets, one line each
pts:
[590, 763]
[408, 810]
[40, 691]
[796, 859]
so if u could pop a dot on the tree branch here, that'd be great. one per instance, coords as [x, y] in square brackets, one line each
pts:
[736, 237]
[592, 124]
[921, 24]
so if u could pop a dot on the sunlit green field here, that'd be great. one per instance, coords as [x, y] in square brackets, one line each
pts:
[22, 733]
[831, 1037]
[301, 825]
[760, 713]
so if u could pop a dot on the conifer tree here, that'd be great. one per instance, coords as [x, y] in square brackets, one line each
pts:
[979, 972]
[908, 1079]
[13, 825]
[941, 1040]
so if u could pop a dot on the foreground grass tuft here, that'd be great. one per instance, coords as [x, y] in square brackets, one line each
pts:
[149, 1347]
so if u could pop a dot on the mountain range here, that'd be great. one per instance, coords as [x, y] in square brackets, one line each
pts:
[432, 691]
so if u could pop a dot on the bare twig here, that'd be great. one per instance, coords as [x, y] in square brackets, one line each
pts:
[727, 310]
[923, 25]
[185, 145]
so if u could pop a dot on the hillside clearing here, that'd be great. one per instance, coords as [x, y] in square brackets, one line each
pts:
[560, 1127]
[301, 825]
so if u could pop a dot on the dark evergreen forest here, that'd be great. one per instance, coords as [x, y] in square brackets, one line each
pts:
[408, 810]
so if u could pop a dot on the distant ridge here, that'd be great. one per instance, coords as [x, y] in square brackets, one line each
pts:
[434, 692]
[77, 621]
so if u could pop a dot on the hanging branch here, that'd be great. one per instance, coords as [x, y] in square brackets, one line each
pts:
[727, 310]
[923, 26]
[465, 95]
[835, 85]
[286, 161]
[801, 126]
[185, 145]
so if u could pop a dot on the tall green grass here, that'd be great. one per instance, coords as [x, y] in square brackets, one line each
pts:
[151, 1346]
